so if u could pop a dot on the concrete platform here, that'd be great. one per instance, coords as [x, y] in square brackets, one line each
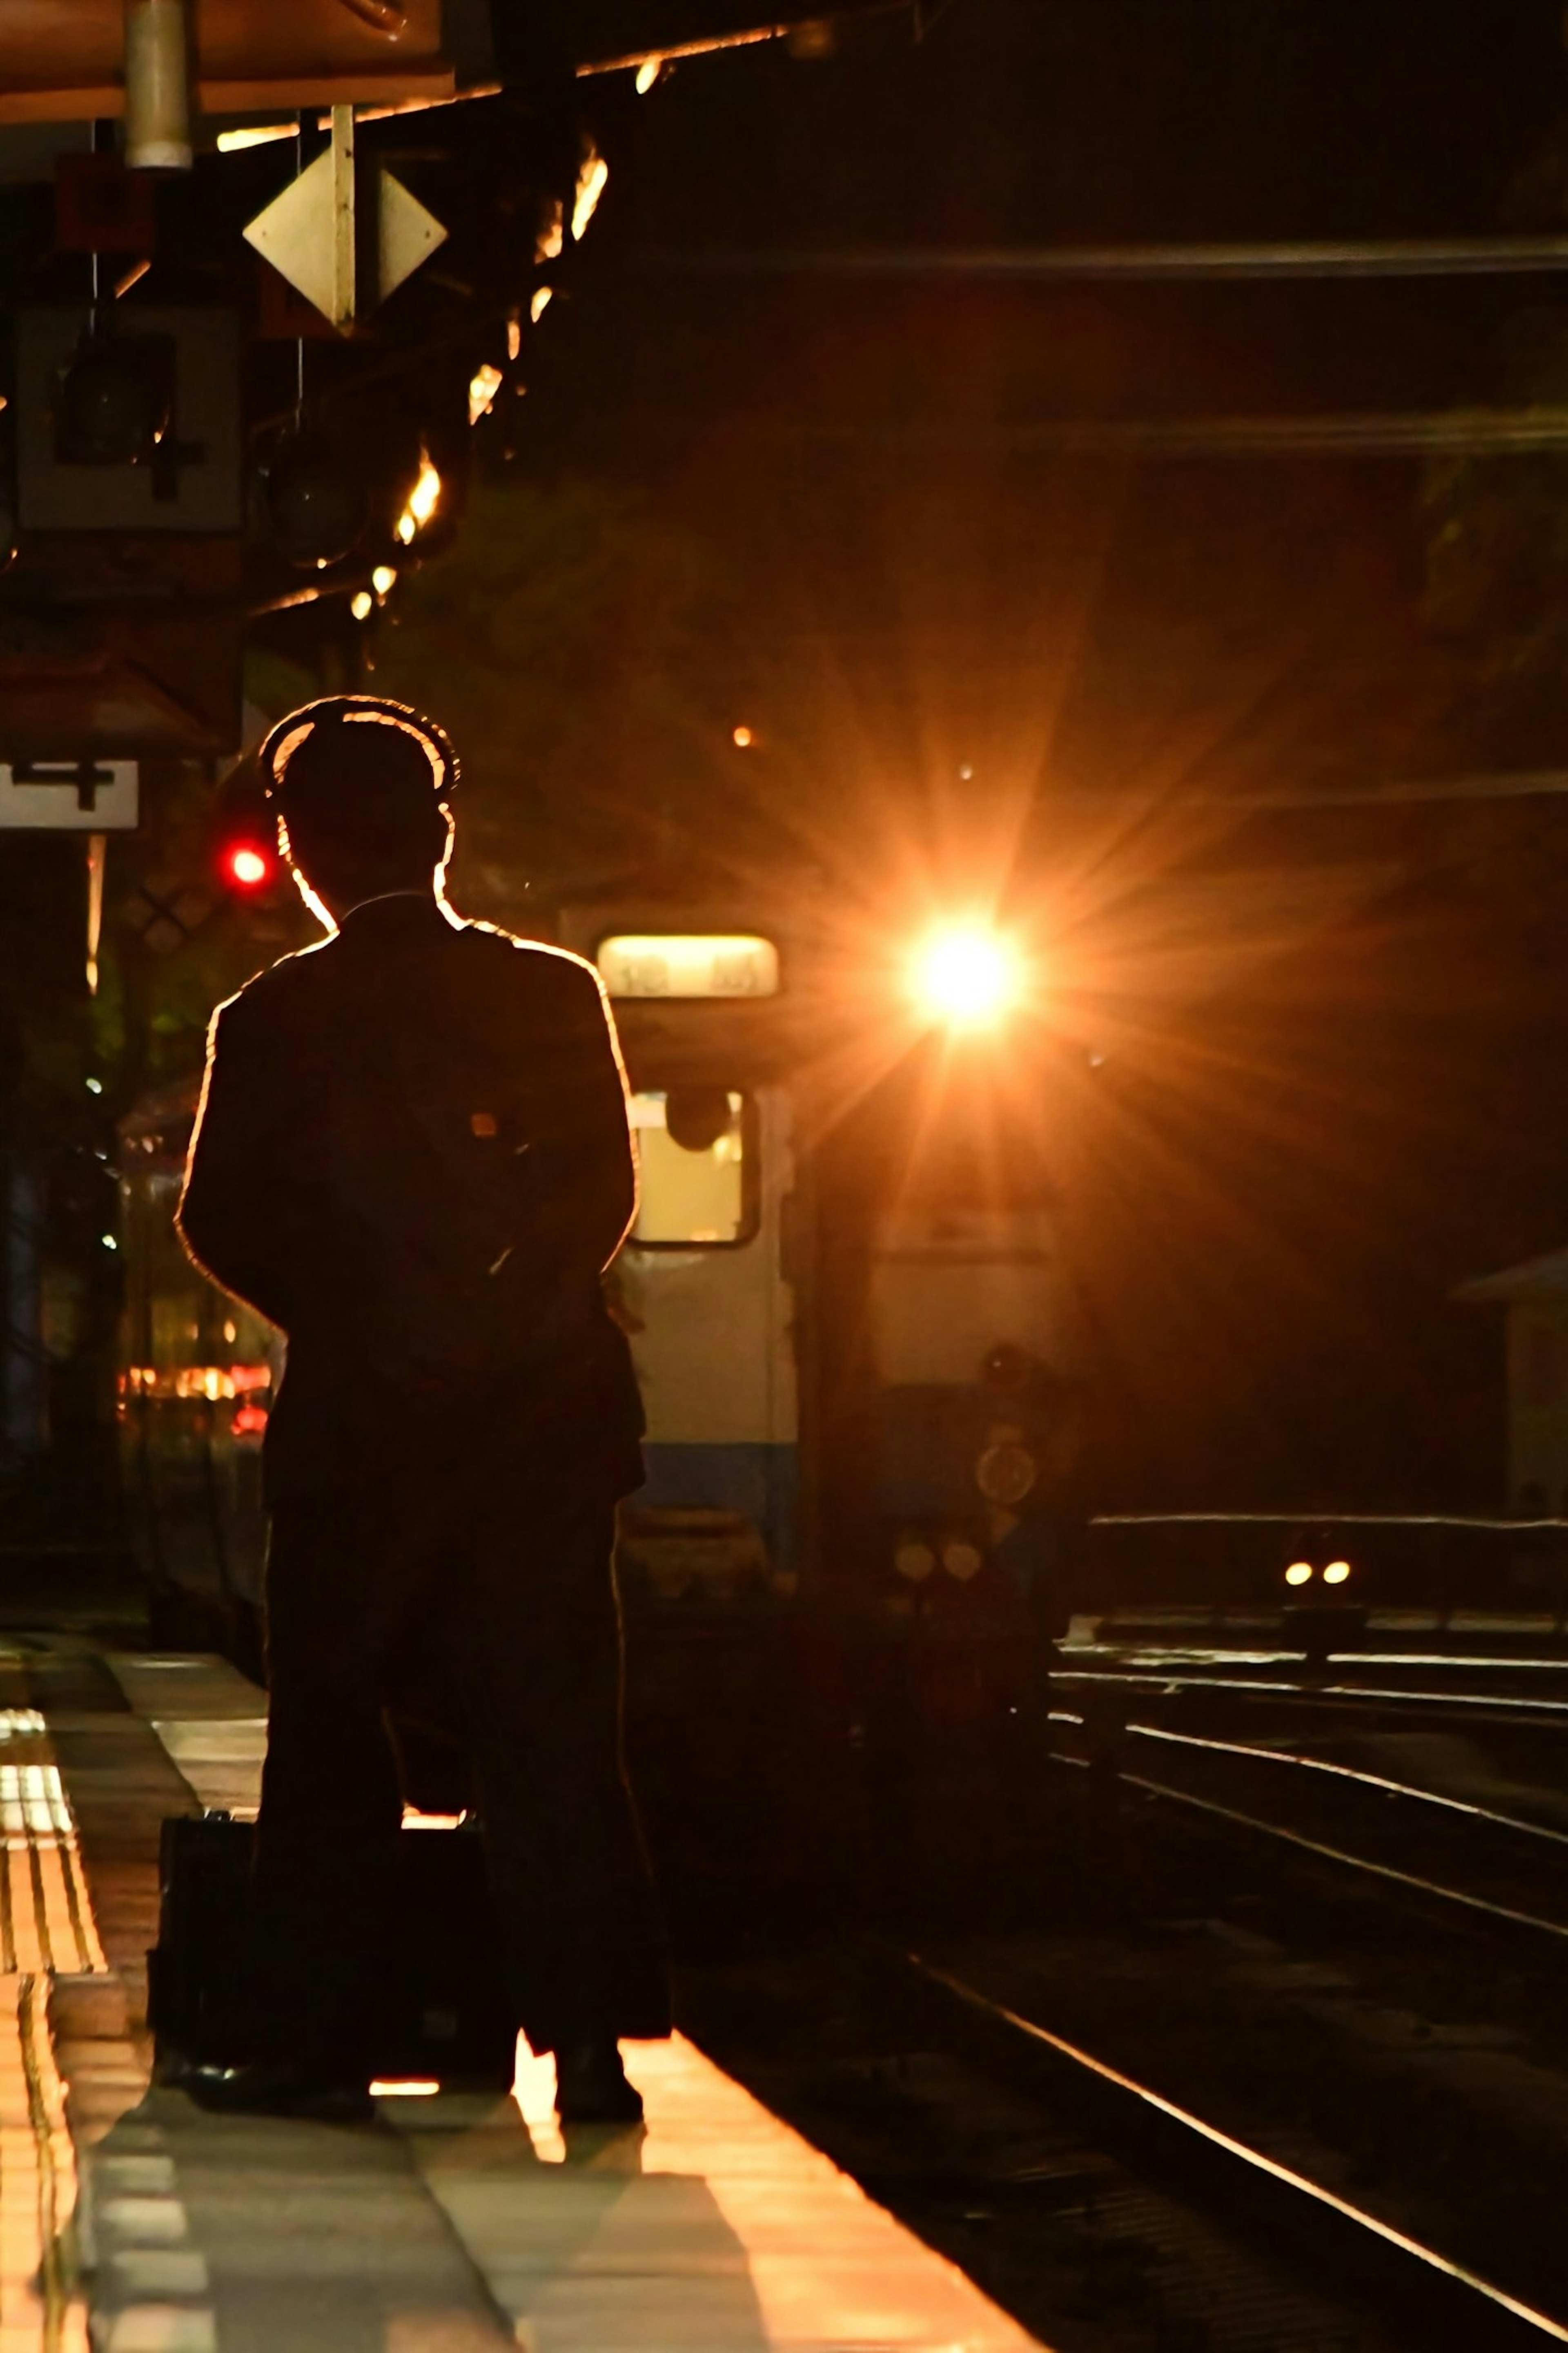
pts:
[129, 2222]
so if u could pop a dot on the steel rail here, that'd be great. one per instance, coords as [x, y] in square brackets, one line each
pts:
[1315, 1694]
[1408, 1880]
[1223, 1653]
[1353, 1773]
[1340, 1772]
[1218, 1653]
[1318, 1520]
[1448, 2296]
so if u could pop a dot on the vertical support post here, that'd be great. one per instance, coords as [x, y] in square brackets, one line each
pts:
[341, 167]
[157, 86]
[96, 847]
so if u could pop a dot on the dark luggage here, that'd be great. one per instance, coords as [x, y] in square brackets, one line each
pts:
[442, 2011]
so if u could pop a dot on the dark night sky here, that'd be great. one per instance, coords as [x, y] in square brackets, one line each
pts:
[1289, 1174]
[1335, 1036]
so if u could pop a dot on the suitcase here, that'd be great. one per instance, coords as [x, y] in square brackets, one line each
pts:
[441, 2012]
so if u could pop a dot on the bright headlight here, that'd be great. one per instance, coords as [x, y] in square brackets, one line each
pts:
[967, 976]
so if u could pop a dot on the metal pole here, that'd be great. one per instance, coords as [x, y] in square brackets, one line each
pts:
[157, 86]
[96, 848]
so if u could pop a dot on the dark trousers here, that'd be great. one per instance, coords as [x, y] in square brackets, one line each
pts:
[515, 1616]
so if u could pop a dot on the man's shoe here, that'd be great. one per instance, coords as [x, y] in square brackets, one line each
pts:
[591, 2087]
[270, 2087]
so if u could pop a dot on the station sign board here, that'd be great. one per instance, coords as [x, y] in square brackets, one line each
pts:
[70, 796]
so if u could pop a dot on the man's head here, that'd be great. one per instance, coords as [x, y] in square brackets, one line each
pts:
[361, 785]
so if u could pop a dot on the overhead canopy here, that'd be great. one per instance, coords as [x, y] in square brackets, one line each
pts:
[1539, 1278]
[62, 60]
[604, 33]
[61, 64]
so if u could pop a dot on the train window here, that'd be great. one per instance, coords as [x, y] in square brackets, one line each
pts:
[692, 1143]
[688, 964]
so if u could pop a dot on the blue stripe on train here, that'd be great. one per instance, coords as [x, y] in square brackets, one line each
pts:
[761, 1480]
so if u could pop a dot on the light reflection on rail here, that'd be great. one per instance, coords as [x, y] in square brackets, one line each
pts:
[1340, 1772]
[1312, 1692]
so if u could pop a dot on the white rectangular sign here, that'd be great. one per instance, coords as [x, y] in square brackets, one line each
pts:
[70, 796]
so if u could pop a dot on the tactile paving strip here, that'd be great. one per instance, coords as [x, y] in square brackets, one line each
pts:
[46, 1929]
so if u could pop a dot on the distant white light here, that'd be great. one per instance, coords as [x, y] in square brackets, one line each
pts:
[540, 303]
[384, 579]
[1299, 1573]
[483, 386]
[108, 1241]
[256, 134]
[1336, 1572]
[551, 242]
[95, 1086]
[592, 181]
[648, 73]
[362, 604]
[422, 500]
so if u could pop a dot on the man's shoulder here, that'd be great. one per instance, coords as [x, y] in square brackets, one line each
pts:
[306, 986]
[537, 964]
[271, 994]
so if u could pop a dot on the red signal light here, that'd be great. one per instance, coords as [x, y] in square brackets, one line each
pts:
[247, 865]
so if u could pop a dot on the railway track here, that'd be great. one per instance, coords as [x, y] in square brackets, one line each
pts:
[1440, 2299]
[1486, 1862]
[1110, 2213]
[1323, 1695]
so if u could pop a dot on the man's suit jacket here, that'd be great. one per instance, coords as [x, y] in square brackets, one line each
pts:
[414, 1085]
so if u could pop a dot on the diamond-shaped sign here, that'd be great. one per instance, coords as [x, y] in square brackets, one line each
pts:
[406, 234]
[308, 233]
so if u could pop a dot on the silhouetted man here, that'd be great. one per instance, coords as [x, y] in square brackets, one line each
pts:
[413, 1155]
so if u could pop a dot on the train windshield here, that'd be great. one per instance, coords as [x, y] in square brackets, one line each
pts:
[692, 1147]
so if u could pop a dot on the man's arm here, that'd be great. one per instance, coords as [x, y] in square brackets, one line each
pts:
[228, 1216]
[583, 1177]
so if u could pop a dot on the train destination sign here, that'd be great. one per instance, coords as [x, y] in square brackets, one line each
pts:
[689, 964]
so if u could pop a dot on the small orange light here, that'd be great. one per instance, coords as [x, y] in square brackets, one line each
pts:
[247, 866]
[742, 738]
